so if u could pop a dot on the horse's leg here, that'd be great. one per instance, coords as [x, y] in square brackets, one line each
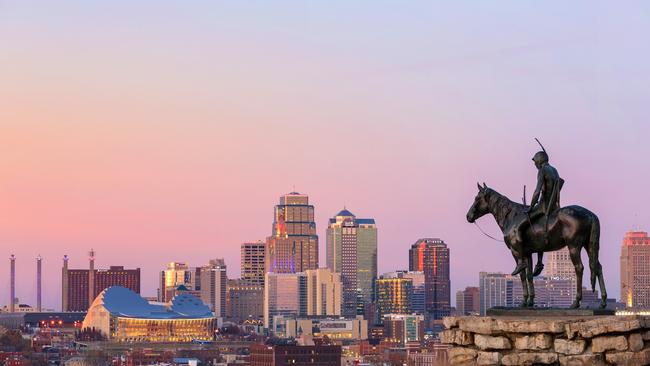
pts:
[530, 281]
[574, 252]
[593, 245]
[524, 288]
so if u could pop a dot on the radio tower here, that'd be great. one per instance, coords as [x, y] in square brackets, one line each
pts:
[38, 283]
[12, 290]
[91, 277]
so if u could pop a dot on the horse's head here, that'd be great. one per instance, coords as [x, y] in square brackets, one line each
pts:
[480, 206]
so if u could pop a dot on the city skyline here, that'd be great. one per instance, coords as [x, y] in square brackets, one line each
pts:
[172, 138]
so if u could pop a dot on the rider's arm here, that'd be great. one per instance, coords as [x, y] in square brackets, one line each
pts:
[538, 189]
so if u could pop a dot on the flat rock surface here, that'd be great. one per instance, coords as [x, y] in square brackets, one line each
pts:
[540, 312]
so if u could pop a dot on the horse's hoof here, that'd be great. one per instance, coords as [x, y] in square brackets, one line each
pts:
[602, 305]
[575, 305]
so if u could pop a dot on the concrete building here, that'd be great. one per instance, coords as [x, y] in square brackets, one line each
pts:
[123, 316]
[394, 294]
[213, 286]
[253, 260]
[80, 284]
[352, 252]
[635, 270]
[559, 266]
[178, 274]
[431, 256]
[334, 328]
[494, 289]
[309, 293]
[468, 301]
[293, 244]
[245, 302]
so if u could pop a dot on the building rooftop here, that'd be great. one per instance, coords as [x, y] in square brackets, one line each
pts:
[123, 302]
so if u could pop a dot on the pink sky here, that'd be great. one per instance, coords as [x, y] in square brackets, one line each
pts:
[168, 133]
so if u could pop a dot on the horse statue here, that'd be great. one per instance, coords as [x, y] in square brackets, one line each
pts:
[572, 226]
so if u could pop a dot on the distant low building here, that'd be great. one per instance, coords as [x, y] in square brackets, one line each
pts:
[294, 355]
[123, 316]
[333, 328]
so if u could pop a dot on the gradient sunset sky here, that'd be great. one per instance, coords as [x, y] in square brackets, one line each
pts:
[164, 131]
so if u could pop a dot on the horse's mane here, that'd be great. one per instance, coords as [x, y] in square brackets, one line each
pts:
[502, 207]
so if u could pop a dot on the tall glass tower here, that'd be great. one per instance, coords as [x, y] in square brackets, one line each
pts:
[293, 244]
[352, 252]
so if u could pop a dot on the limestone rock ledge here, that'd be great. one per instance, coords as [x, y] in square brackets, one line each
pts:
[548, 340]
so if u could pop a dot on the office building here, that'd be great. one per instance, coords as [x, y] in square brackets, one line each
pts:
[293, 244]
[121, 315]
[244, 302]
[178, 274]
[560, 267]
[494, 289]
[635, 270]
[295, 355]
[310, 293]
[352, 252]
[79, 283]
[213, 286]
[403, 328]
[252, 262]
[394, 294]
[318, 327]
[431, 256]
[468, 301]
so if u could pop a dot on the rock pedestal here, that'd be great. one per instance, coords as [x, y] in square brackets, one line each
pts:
[548, 340]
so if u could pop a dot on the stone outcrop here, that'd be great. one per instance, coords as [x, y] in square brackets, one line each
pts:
[548, 340]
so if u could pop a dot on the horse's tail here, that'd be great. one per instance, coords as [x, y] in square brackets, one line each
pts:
[594, 246]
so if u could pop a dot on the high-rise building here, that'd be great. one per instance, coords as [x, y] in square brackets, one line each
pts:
[213, 286]
[404, 328]
[77, 283]
[324, 292]
[394, 294]
[417, 300]
[178, 274]
[252, 262]
[309, 293]
[244, 302]
[635, 270]
[493, 290]
[468, 301]
[352, 252]
[293, 244]
[431, 256]
[559, 267]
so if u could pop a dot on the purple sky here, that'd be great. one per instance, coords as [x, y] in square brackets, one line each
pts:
[167, 131]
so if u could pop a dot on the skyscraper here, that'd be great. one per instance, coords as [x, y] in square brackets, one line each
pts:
[244, 302]
[431, 256]
[324, 292]
[293, 244]
[352, 252]
[213, 286]
[177, 274]
[494, 289]
[635, 269]
[252, 263]
[394, 294]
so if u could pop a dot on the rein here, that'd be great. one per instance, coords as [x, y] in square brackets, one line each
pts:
[488, 235]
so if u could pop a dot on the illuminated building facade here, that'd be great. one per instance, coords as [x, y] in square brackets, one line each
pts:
[635, 270]
[394, 294]
[403, 328]
[213, 286]
[352, 252]
[253, 261]
[333, 328]
[123, 316]
[178, 274]
[293, 244]
[431, 256]
[77, 289]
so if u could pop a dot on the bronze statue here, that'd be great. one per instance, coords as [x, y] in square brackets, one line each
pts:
[544, 227]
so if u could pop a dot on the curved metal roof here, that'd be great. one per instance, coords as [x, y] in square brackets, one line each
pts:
[123, 302]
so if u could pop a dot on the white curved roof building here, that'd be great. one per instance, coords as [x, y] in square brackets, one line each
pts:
[124, 316]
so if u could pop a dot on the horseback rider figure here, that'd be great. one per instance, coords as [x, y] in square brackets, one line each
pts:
[545, 201]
